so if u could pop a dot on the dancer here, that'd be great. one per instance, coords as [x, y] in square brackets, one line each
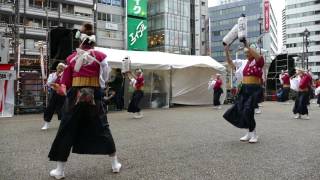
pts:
[84, 126]
[217, 91]
[117, 85]
[301, 103]
[137, 82]
[317, 85]
[310, 75]
[108, 94]
[55, 100]
[241, 114]
[285, 82]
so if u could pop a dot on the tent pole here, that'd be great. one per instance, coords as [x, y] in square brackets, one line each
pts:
[151, 89]
[170, 91]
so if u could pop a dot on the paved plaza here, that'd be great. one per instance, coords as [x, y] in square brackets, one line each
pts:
[185, 143]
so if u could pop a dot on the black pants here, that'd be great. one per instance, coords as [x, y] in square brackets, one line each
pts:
[118, 98]
[241, 114]
[216, 96]
[285, 94]
[135, 101]
[261, 95]
[301, 103]
[318, 101]
[310, 93]
[54, 105]
[84, 128]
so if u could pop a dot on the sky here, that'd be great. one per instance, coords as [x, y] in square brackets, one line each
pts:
[277, 5]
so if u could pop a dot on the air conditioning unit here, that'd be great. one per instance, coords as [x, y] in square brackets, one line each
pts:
[4, 50]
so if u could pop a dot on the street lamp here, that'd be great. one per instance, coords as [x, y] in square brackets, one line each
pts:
[95, 16]
[260, 21]
[306, 34]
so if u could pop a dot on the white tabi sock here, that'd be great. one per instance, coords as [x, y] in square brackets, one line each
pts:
[60, 166]
[114, 160]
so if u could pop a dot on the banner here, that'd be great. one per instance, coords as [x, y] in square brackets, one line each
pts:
[267, 16]
[137, 8]
[137, 34]
[137, 24]
[7, 77]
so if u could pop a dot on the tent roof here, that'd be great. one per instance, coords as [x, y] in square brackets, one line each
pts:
[159, 60]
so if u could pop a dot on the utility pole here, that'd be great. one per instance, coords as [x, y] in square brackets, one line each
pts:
[95, 7]
[16, 29]
[306, 40]
[260, 21]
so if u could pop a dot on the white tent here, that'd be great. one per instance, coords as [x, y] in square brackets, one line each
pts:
[187, 76]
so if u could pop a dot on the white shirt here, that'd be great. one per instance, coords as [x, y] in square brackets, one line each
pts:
[240, 64]
[52, 78]
[104, 73]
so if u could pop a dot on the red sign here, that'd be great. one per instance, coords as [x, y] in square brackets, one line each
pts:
[6, 91]
[266, 16]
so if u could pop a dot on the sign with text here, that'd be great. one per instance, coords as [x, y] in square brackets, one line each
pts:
[137, 8]
[137, 34]
[266, 16]
[8, 75]
[112, 26]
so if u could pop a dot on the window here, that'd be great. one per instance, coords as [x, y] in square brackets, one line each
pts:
[54, 5]
[301, 5]
[105, 2]
[216, 33]
[116, 18]
[29, 44]
[103, 16]
[36, 3]
[4, 18]
[116, 3]
[108, 17]
[5, 1]
[68, 8]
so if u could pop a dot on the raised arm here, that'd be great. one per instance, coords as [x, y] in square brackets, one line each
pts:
[254, 53]
[131, 75]
[228, 57]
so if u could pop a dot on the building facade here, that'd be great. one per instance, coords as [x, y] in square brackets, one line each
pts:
[178, 26]
[225, 16]
[284, 28]
[302, 15]
[110, 18]
[38, 16]
[175, 26]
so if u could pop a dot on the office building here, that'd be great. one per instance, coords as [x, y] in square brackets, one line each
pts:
[111, 24]
[302, 15]
[178, 26]
[284, 29]
[224, 17]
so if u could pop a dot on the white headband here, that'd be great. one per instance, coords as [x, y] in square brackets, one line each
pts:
[84, 37]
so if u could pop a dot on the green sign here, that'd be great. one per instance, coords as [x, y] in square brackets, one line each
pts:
[137, 34]
[137, 8]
